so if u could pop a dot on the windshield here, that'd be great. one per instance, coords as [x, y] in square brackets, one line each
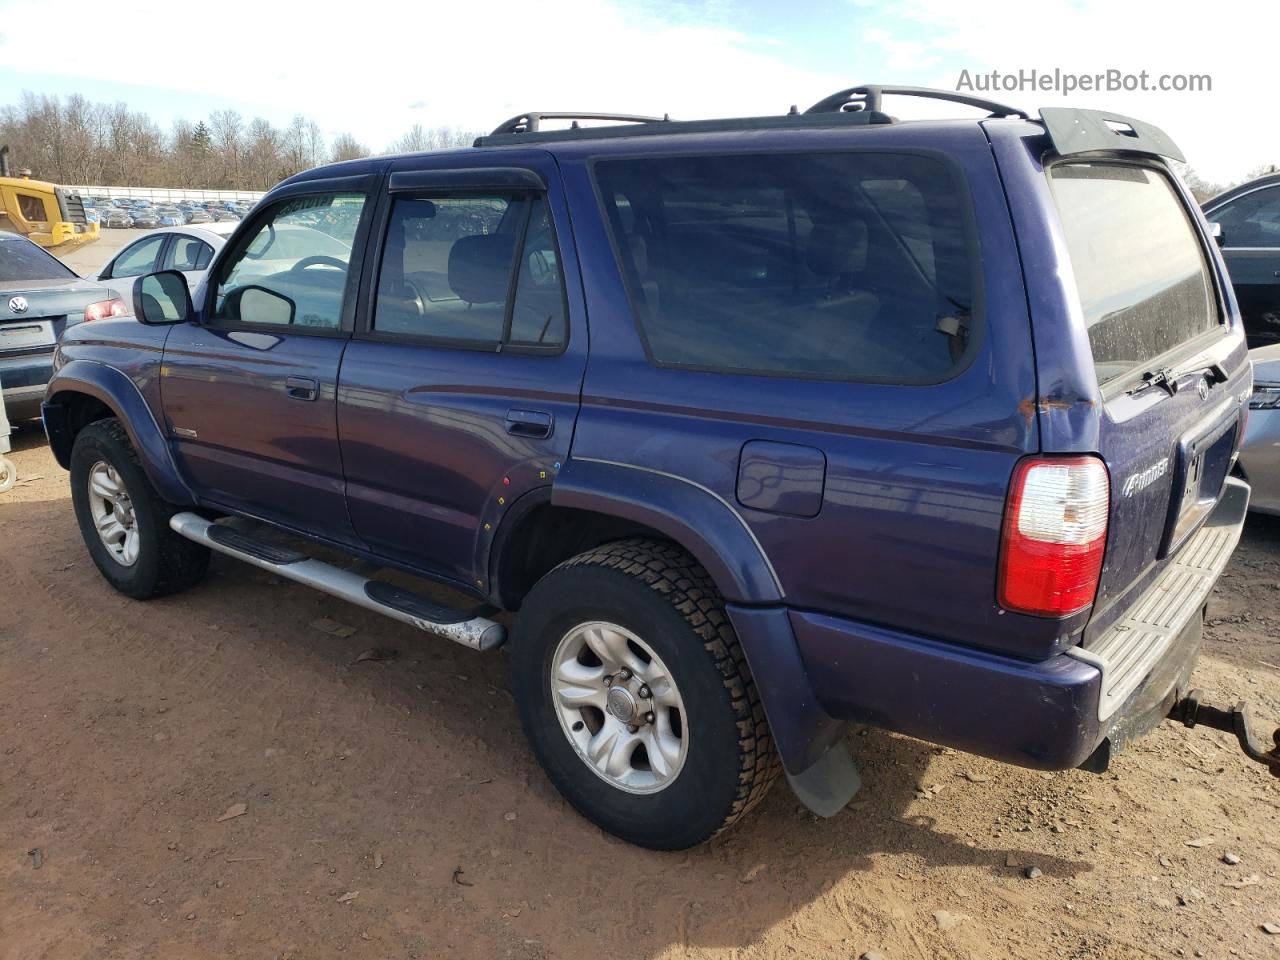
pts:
[21, 260]
[1139, 268]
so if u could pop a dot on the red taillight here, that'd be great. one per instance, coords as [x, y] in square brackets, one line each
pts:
[105, 308]
[1055, 531]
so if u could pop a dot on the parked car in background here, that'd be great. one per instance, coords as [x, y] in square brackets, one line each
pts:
[116, 217]
[40, 297]
[1259, 462]
[138, 203]
[171, 216]
[1248, 217]
[188, 250]
[198, 215]
[145, 218]
[709, 407]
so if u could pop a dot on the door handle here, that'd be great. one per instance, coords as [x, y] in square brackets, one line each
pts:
[301, 388]
[530, 423]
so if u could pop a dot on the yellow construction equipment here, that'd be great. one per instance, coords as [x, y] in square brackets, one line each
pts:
[50, 215]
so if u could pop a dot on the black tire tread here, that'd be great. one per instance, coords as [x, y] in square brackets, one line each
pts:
[667, 569]
[182, 563]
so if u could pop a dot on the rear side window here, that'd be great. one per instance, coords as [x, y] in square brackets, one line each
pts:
[22, 260]
[1140, 272]
[843, 266]
[1250, 221]
[472, 271]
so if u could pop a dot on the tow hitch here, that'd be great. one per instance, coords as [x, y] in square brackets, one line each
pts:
[1191, 712]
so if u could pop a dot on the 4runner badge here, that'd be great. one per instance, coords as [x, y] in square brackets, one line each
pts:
[1140, 481]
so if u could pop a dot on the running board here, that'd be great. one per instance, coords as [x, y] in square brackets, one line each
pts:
[468, 629]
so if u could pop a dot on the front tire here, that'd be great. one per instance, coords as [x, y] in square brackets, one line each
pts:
[124, 522]
[636, 697]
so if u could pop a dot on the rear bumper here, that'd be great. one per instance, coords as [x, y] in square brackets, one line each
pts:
[23, 379]
[1070, 710]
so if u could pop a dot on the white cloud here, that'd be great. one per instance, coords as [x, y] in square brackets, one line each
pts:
[458, 64]
[1223, 133]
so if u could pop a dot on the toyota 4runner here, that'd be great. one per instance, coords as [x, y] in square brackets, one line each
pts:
[757, 426]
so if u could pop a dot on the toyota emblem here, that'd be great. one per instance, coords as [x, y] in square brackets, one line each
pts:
[1202, 388]
[18, 304]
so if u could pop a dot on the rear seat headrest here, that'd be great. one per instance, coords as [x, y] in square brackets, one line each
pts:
[480, 267]
[837, 248]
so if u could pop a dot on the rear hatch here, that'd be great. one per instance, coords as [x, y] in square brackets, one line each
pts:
[1169, 366]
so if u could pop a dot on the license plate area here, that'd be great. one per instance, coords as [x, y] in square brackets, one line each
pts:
[1203, 461]
[23, 334]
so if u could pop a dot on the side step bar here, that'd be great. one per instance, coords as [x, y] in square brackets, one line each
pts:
[468, 629]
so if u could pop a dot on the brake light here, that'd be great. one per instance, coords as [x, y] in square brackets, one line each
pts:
[1055, 531]
[105, 308]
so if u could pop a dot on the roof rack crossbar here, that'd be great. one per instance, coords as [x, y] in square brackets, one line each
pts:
[870, 96]
[531, 121]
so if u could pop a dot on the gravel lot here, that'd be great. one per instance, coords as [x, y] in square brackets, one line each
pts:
[392, 809]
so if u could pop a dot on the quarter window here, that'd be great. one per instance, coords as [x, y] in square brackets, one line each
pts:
[293, 271]
[189, 254]
[839, 266]
[450, 265]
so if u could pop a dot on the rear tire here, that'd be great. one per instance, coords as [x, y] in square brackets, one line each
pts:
[8, 474]
[124, 522]
[685, 772]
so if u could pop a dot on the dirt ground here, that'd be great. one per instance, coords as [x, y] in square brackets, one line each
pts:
[392, 809]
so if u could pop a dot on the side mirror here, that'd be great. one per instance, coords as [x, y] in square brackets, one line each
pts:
[255, 304]
[160, 298]
[1215, 231]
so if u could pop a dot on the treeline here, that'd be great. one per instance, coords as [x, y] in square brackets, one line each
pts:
[75, 141]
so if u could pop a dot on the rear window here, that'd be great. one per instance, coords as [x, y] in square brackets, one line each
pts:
[1140, 271]
[846, 266]
[22, 260]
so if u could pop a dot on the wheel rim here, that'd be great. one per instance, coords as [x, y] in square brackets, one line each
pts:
[619, 707]
[113, 515]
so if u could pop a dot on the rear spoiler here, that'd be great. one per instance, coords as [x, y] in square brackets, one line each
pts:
[1088, 131]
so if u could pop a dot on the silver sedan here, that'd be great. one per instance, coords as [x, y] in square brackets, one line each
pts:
[1260, 451]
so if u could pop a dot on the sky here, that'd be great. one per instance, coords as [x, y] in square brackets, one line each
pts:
[473, 64]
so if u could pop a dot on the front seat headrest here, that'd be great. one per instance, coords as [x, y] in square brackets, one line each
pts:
[480, 267]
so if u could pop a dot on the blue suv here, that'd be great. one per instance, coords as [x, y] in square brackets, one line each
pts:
[757, 427]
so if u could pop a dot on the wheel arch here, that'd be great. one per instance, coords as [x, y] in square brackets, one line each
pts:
[84, 391]
[592, 502]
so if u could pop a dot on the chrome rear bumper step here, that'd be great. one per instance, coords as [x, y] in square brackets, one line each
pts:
[467, 628]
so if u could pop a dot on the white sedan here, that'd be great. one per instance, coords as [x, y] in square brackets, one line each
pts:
[187, 249]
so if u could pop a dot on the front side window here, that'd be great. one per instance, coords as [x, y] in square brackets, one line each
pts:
[1250, 221]
[293, 271]
[473, 270]
[139, 259]
[841, 266]
[1140, 271]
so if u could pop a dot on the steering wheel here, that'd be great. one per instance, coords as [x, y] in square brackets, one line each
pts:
[317, 261]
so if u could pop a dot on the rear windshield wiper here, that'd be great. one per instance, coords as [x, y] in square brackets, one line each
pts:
[1167, 377]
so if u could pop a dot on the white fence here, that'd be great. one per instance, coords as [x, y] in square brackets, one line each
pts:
[164, 195]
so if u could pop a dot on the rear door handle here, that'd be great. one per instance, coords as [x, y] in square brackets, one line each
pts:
[301, 388]
[530, 423]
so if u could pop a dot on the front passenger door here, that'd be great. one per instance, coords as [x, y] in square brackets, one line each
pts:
[249, 391]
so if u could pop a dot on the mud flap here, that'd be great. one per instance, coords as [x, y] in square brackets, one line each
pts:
[828, 785]
[1192, 712]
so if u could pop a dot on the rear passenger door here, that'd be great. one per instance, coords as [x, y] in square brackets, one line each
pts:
[459, 391]
[136, 260]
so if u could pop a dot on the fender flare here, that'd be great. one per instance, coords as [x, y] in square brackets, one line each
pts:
[692, 515]
[119, 393]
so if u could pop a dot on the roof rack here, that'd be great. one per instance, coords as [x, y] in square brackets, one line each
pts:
[793, 120]
[870, 96]
[531, 121]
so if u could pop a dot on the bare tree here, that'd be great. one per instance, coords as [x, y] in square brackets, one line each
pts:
[347, 147]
